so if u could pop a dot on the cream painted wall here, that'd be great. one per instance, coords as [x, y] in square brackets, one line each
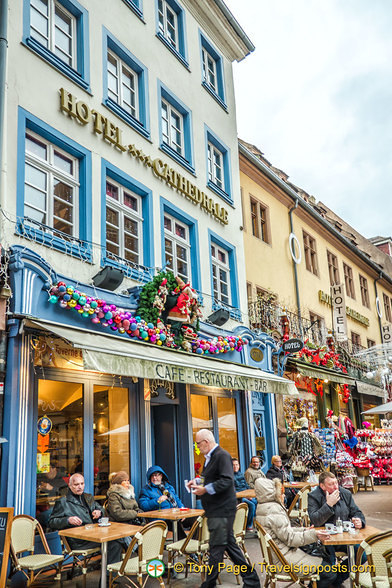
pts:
[269, 265]
[34, 85]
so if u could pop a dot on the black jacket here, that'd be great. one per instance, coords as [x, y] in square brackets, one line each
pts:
[72, 506]
[219, 472]
[274, 472]
[320, 512]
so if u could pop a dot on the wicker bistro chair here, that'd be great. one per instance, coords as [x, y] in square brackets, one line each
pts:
[194, 545]
[150, 541]
[23, 532]
[376, 576]
[239, 529]
[387, 555]
[273, 558]
[80, 558]
[298, 509]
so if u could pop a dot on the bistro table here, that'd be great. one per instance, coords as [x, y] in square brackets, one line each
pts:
[250, 493]
[100, 534]
[299, 485]
[173, 514]
[350, 540]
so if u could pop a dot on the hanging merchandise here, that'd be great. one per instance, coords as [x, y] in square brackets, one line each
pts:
[374, 451]
[327, 440]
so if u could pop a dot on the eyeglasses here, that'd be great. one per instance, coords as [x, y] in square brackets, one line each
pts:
[200, 442]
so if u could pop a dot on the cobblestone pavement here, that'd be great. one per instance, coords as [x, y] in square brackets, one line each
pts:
[377, 507]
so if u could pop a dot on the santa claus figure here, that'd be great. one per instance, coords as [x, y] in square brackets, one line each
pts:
[186, 309]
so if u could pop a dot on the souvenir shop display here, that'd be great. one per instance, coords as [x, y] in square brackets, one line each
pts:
[297, 408]
[327, 439]
[374, 451]
[305, 451]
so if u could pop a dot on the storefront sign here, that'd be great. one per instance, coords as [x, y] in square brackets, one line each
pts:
[356, 316]
[256, 354]
[111, 133]
[292, 345]
[51, 352]
[386, 333]
[339, 314]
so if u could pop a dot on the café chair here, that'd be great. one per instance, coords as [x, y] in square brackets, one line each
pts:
[298, 509]
[239, 529]
[364, 479]
[194, 547]
[273, 559]
[376, 574]
[23, 532]
[387, 555]
[150, 541]
[80, 558]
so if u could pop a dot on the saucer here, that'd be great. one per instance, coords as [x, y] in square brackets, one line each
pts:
[102, 525]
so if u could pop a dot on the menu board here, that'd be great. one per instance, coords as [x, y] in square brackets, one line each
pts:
[6, 516]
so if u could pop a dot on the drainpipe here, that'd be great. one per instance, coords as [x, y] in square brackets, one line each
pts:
[375, 289]
[295, 268]
[3, 65]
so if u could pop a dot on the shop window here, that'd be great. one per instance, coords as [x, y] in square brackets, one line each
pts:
[54, 188]
[201, 410]
[364, 291]
[171, 28]
[349, 280]
[333, 269]
[227, 425]
[259, 220]
[317, 328]
[218, 166]
[58, 31]
[123, 223]
[387, 308]
[111, 434]
[59, 442]
[224, 275]
[175, 128]
[212, 70]
[310, 253]
[125, 85]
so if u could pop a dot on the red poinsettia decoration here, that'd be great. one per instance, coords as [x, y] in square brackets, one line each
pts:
[324, 356]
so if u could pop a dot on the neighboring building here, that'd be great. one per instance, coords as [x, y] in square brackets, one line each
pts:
[296, 249]
[120, 153]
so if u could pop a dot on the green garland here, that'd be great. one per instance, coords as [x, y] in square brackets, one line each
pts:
[147, 296]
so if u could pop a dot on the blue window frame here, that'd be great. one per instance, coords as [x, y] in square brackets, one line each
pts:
[170, 21]
[218, 166]
[136, 6]
[182, 246]
[224, 277]
[58, 31]
[53, 202]
[175, 128]
[135, 257]
[212, 70]
[125, 85]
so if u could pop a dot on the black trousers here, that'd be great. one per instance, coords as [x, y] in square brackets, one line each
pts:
[222, 539]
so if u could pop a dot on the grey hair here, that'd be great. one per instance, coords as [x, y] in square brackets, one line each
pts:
[71, 479]
[208, 435]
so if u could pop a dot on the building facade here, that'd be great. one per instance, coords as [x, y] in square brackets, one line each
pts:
[120, 160]
[299, 254]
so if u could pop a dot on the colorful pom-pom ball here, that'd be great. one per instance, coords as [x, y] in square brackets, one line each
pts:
[108, 315]
[62, 289]
[133, 327]
[67, 297]
[63, 304]
[72, 303]
[85, 313]
[95, 320]
[53, 299]
[76, 295]
[150, 326]
[199, 351]
[70, 290]
[162, 337]
[93, 304]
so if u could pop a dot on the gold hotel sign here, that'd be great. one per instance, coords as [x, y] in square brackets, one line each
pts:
[111, 133]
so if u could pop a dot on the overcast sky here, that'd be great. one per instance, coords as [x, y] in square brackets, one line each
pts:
[316, 98]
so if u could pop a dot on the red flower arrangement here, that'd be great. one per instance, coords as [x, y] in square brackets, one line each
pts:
[321, 356]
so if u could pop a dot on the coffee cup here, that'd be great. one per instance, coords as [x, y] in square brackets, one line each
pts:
[330, 527]
[347, 525]
[103, 521]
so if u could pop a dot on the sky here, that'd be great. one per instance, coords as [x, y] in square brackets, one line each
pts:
[316, 98]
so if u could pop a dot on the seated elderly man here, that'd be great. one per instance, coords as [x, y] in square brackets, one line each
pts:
[78, 508]
[253, 472]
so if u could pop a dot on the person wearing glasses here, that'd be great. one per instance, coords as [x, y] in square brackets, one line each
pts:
[217, 493]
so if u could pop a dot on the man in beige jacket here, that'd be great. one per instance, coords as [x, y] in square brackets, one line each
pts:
[253, 472]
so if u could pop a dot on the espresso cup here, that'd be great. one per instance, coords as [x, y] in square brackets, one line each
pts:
[104, 521]
[347, 525]
[330, 527]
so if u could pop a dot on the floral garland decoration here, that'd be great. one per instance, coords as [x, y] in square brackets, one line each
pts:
[123, 321]
[321, 356]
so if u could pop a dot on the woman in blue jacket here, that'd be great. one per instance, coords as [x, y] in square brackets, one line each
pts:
[241, 484]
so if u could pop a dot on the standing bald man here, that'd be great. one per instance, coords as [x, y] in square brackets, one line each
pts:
[218, 497]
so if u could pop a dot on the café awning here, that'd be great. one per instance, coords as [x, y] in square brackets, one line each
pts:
[117, 355]
[314, 371]
[369, 389]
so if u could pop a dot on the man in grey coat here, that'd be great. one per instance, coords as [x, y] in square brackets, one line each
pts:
[329, 502]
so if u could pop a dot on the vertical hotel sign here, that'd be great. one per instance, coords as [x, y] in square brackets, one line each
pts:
[339, 312]
[386, 333]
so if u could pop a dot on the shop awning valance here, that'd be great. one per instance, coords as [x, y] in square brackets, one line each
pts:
[114, 355]
[313, 371]
[382, 409]
[369, 389]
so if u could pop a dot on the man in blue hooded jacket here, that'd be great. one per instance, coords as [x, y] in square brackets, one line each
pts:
[159, 494]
